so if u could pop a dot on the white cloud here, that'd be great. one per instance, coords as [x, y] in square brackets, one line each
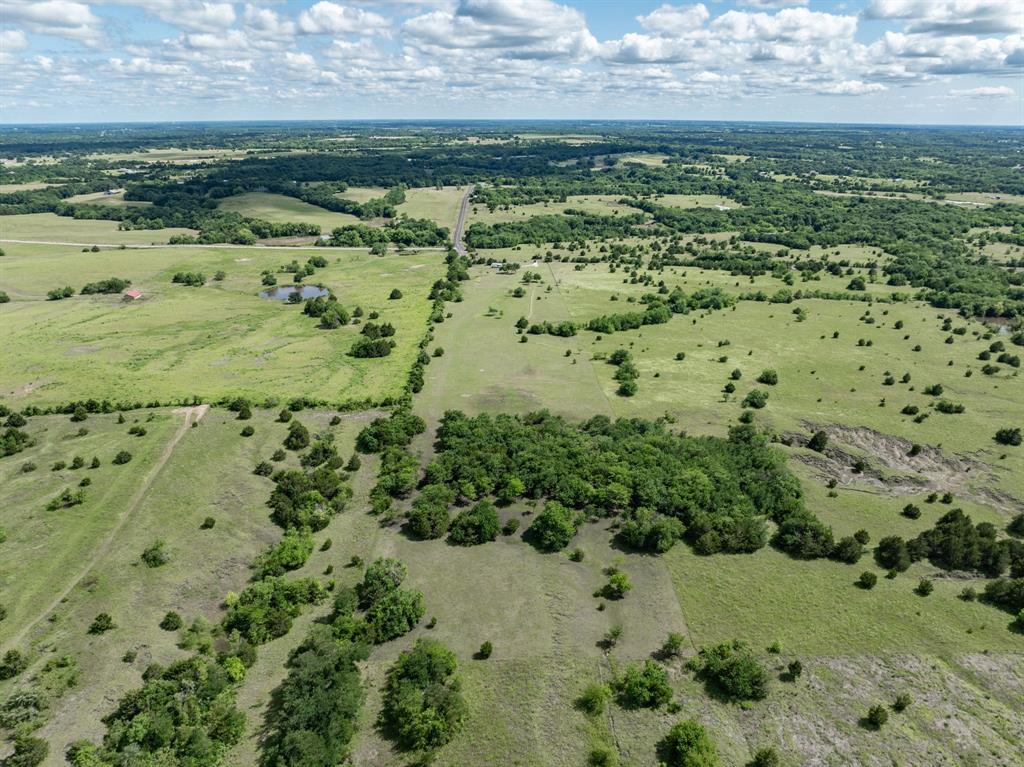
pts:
[850, 88]
[266, 23]
[62, 18]
[12, 40]
[985, 92]
[675, 20]
[951, 17]
[327, 18]
[519, 29]
[788, 25]
[145, 66]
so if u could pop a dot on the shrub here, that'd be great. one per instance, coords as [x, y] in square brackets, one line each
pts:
[617, 587]
[395, 294]
[924, 587]
[1016, 526]
[29, 751]
[265, 609]
[732, 668]
[423, 706]
[475, 526]
[892, 553]
[247, 431]
[13, 663]
[171, 621]
[594, 699]
[867, 580]
[1010, 437]
[756, 398]
[768, 378]
[394, 614]
[903, 700]
[122, 457]
[290, 553]
[803, 536]
[381, 578]
[673, 646]
[156, 554]
[208, 523]
[795, 669]
[263, 469]
[848, 550]
[910, 511]
[554, 527]
[818, 441]
[644, 686]
[510, 527]
[877, 716]
[298, 436]
[688, 745]
[101, 624]
[766, 756]
[485, 651]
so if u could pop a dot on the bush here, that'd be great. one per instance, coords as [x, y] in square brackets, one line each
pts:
[732, 668]
[594, 699]
[265, 609]
[673, 646]
[910, 511]
[475, 526]
[395, 294]
[892, 553]
[688, 745]
[1016, 526]
[171, 621]
[795, 669]
[867, 580]
[394, 614]
[156, 554]
[485, 651]
[643, 686]
[554, 527]
[208, 523]
[29, 751]
[818, 441]
[247, 431]
[768, 378]
[804, 537]
[877, 716]
[298, 436]
[924, 587]
[902, 702]
[290, 553]
[766, 756]
[1010, 437]
[423, 706]
[756, 398]
[122, 457]
[12, 664]
[848, 550]
[381, 578]
[101, 624]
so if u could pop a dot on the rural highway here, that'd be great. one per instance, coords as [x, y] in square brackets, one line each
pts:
[204, 245]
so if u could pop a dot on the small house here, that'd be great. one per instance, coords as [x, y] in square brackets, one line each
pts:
[132, 295]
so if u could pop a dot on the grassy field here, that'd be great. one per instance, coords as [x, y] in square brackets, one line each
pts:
[362, 193]
[439, 205]
[603, 204]
[102, 198]
[49, 227]
[696, 201]
[281, 209]
[212, 341]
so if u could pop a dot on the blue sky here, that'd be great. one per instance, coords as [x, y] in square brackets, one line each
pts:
[876, 61]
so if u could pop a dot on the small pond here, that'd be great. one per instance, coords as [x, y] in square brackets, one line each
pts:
[282, 292]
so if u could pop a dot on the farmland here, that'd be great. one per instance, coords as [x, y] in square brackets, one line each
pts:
[674, 395]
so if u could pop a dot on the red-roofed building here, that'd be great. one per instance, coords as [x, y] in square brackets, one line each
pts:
[132, 295]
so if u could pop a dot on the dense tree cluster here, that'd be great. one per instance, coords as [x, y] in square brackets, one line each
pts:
[733, 670]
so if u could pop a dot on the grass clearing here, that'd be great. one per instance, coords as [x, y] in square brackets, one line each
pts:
[439, 205]
[212, 341]
[281, 209]
[49, 227]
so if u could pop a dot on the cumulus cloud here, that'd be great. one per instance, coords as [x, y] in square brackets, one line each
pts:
[521, 29]
[12, 40]
[951, 17]
[62, 18]
[788, 25]
[327, 18]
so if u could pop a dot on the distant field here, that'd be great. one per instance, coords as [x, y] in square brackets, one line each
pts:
[102, 198]
[177, 156]
[643, 159]
[8, 188]
[217, 340]
[281, 209]
[604, 204]
[439, 205]
[49, 227]
[362, 193]
[696, 201]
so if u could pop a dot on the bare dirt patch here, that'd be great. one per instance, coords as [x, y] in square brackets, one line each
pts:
[859, 455]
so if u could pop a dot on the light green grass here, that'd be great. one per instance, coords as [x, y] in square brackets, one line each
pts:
[603, 204]
[102, 198]
[212, 341]
[696, 201]
[49, 227]
[439, 205]
[281, 209]
[362, 193]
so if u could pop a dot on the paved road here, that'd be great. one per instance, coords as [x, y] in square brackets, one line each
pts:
[460, 225]
[210, 245]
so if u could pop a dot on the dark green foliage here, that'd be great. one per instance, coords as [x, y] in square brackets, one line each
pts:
[265, 609]
[208, 523]
[475, 526]
[1009, 436]
[298, 436]
[768, 378]
[766, 756]
[171, 621]
[818, 441]
[1016, 526]
[643, 686]
[191, 279]
[58, 294]
[307, 498]
[183, 715]
[956, 543]
[394, 431]
[732, 669]
[867, 580]
[13, 663]
[715, 488]
[554, 527]
[1007, 593]
[423, 706]
[877, 716]
[756, 398]
[290, 553]
[156, 554]
[101, 624]
[643, 530]
[803, 536]
[594, 699]
[848, 550]
[688, 745]
[924, 587]
[902, 702]
[13, 441]
[485, 651]
[29, 751]
[112, 285]
[316, 708]
[429, 516]
[892, 553]
[122, 457]
[372, 347]
[394, 614]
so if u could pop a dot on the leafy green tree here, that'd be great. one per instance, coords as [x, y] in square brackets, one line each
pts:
[474, 526]
[644, 686]
[688, 745]
[554, 527]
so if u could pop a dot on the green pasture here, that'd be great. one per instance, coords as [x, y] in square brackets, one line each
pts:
[281, 209]
[49, 227]
[218, 340]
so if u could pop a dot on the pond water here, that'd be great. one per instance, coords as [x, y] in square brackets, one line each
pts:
[282, 292]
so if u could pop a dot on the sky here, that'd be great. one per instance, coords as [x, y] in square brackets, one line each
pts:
[864, 61]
